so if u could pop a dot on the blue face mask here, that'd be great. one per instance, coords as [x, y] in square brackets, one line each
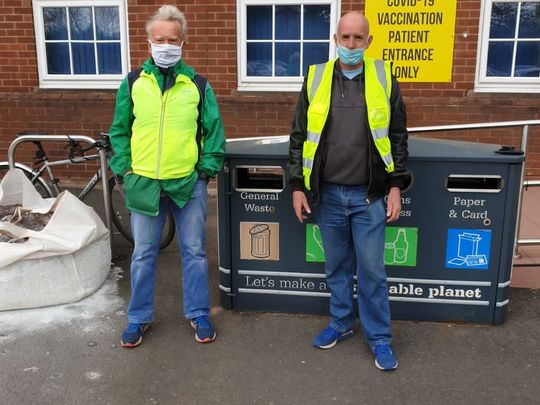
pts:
[350, 57]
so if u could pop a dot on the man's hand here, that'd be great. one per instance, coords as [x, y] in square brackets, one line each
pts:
[300, 205]
[393, 204]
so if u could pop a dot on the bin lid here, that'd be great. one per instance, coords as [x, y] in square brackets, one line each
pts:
[269, 147]
[430, 149]
[426, 149]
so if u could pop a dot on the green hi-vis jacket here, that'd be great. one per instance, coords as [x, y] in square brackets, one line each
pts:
[154, 136]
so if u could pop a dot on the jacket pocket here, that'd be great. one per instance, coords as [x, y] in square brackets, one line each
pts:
[142, 194]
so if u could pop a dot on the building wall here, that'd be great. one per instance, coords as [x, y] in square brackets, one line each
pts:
[211, 49]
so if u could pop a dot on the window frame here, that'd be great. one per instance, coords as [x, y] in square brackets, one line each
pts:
[269, 83]
[484, 83]
[78, 81]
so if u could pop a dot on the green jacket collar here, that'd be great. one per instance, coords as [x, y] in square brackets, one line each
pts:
[181, 68]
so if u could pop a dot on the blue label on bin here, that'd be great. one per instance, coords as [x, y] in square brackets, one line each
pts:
[468, 249]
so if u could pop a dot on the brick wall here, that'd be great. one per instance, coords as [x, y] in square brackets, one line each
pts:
[211, 49]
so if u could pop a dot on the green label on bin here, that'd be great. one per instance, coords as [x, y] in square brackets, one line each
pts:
[399, 245]
[314, 246]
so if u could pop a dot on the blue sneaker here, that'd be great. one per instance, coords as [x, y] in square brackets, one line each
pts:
[385, 358]
[329, 337]
[133, 334]
[204, 331]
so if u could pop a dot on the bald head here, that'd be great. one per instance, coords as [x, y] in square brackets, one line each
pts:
[353, 19]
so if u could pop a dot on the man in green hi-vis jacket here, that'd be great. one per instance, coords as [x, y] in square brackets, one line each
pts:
[168, 139]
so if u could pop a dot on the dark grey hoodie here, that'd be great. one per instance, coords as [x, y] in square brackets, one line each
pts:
[345, 152]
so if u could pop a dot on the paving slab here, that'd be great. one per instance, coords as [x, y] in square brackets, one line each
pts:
[71, 354]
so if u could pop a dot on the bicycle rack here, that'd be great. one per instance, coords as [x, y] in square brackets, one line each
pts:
[67, 138]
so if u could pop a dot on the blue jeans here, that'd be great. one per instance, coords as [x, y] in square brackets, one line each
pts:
[190, 232]
[352, 231]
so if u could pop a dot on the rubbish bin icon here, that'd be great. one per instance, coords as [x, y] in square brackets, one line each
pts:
[260, 240]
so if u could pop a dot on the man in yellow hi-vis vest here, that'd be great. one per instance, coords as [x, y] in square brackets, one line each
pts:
[348, 148]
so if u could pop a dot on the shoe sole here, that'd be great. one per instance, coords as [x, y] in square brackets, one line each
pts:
[129, 345]
[344, 336]
[328, 346]
[207, 340]
[385, 369]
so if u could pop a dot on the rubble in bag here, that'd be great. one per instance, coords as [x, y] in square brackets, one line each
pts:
[7, 237]
[24, 218]
[7, 210]
[65, 257]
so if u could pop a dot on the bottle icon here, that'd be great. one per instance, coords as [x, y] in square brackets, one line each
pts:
[401, 247]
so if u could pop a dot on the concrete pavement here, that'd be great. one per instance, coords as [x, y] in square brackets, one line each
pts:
[71, 354]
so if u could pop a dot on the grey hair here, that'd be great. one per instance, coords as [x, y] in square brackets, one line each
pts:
[168, 12]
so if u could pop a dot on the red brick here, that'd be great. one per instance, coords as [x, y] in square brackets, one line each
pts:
[212, 50]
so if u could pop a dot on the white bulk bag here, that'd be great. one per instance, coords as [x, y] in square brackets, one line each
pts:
[66, 261]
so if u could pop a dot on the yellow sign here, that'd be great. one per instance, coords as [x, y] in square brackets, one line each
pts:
[416, 35]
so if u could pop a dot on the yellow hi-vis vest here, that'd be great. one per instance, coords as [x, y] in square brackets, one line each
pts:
[163, 140]
[319, 89]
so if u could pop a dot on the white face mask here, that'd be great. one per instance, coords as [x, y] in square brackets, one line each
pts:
[166, 55]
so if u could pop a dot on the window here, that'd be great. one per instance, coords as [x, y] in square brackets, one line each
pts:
[509, 47]
[278, 40]
[81, 44]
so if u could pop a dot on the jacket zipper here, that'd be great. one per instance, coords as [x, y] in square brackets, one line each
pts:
[160, 133]
[371, 145]
[370, 169]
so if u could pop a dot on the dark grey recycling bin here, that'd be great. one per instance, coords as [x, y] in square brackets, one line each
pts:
[448, 258]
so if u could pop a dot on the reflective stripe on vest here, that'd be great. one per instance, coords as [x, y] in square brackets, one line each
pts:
[378, 106]
[319, 90]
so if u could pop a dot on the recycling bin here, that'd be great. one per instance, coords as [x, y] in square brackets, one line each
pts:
[448, 258]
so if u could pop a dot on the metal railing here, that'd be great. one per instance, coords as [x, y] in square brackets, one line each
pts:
[438, 128]
[524, 140]
[67, 138]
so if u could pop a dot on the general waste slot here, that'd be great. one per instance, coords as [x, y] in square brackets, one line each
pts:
[448, 258]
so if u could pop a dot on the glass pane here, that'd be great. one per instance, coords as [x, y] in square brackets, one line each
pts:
[500, 59]
[109, 59]
[528, 59]
[57, 59]
[287, 59]
[259, 22]
[259, 59]
[317, 22]
[314, 53]
[54, 19]
[107, 23]
[81, 25]
[287, 22]
[529, 21]
[503, 20]
[84, 61]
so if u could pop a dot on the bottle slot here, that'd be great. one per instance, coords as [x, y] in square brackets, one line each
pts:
[259, 178]
[472, 183]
